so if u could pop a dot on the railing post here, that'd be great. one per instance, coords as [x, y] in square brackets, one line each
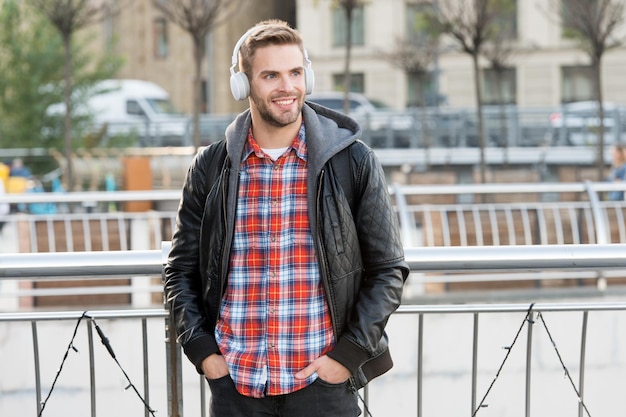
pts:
[172, 354]
[92, 370]
[474, 363]
[174, 370]
[33, 325]
[529, 349]
[146, 365]
[407, 224]
[203, 402]
[140, 232]
[602, 231]
[602, 236]
[581, 380]
[420, 352]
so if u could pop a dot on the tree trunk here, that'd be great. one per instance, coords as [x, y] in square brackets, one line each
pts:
[346, 72]
[479, 113]
[198, 56]
[67, 94]
[597, 81]
[424, 119]
[502, 119]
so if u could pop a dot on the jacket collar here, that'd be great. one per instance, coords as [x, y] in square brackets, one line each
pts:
[327, 132]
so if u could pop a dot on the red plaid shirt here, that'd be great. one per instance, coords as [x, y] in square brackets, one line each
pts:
[274, 319]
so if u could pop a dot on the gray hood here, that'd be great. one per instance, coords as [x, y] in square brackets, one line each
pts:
[327, 132]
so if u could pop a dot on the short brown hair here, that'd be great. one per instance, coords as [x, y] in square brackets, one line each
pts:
[270, 32]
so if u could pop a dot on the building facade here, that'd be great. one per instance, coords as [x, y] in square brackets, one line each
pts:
[546, 69]
[156, 49]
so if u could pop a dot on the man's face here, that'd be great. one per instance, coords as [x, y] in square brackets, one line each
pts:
[277, 85]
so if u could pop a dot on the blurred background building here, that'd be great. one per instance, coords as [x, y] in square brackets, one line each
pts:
[157, 50]
[544, 69]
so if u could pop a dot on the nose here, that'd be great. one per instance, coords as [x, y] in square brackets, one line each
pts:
[286, 83]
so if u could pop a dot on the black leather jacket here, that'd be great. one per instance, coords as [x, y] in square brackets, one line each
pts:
[360, 254]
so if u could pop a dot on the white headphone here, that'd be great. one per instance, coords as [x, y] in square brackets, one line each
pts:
[239, 83]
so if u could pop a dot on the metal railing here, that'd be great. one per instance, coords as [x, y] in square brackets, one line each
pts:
[504, 126]
[421, 260]
[553, 213]
[430, 216]
[169, 164]
[544, 216]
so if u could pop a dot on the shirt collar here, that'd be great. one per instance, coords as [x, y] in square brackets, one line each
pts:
[298, 144]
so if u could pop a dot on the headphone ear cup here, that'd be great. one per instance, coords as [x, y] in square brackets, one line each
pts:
[309, 79]
[239, 86]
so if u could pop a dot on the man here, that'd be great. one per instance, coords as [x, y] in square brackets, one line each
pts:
[280, 280]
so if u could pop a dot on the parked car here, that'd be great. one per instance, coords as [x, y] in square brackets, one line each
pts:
[577, 123]
[133, 107]
[372, 114]
[213, 126]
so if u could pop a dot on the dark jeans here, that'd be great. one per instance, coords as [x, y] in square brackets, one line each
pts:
[320, 399]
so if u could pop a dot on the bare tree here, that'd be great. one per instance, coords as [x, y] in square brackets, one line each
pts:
[592, 24]
[198, 18]
[498, 51]
[470, 24]
[416, 58]
[69, 16]
[348, 6]
[498, 54]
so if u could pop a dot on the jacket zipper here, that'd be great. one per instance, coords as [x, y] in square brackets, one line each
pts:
[224, 264]
[322, 259]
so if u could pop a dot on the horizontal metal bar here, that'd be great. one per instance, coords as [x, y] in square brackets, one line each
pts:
[66, 291]
[92, 196]
[78, 264]
[403, 309]
[74, 315]
[105, 152]
[553, 155]
[530, 257]
[509, 308]
[490, 188]
[513, 276]
[174, 195]
[488, 258]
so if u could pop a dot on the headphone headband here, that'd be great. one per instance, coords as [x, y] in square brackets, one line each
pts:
[235, 58]
[239, 83]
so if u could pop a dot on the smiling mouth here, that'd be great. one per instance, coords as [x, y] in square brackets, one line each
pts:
[284, 102]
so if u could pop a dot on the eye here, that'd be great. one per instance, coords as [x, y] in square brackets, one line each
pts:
[270, 76]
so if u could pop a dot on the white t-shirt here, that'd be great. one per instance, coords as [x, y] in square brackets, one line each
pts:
[274, 153]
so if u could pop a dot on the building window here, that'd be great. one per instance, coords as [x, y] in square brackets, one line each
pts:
[421, 90]
[577, 84]
[109, 30]
[161, 45]
[357, 82]
[415, 13]
[499, 86]
[421, 87]
[572, 17]
[506, 20]
[340, 33]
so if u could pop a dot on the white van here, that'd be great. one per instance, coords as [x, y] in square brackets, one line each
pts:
[135, 106]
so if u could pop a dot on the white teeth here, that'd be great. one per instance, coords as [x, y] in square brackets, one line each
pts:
[284, 102]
